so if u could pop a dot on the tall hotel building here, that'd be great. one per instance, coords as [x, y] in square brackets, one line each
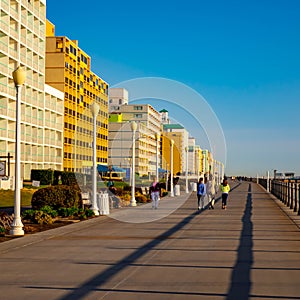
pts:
[22, 42]
[68, 69]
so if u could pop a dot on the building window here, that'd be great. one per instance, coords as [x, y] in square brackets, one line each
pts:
[83, 59]
[138, 116]
[72, 50]
[138, 107]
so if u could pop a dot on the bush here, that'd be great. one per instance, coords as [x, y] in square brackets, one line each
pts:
[28, 214]
[50, 211]
[81, 213]
[63, 212]
[56, 197]
[37, 216]
[89, 213]
[45, 177]
[140, 198]
[67, 211]
[41, 217]
[2, 230]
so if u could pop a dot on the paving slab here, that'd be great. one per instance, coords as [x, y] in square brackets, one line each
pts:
[251, 250]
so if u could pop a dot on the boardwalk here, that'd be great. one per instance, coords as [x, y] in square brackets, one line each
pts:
[249, 251]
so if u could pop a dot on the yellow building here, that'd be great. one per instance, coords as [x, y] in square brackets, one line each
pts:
[166, 152]
[68, 69]
[180, 136]
[198, 160]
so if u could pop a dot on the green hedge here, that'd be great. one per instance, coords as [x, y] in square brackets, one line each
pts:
[56, 197]
[45, 177]
[54, 177]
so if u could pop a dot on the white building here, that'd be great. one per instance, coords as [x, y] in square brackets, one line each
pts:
[191, 156]
[120, 138]
[117, 98]
[22, 42]
[164, 114]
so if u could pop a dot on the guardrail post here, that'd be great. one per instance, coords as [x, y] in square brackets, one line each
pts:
[292, 196]
[288, 194]
[286, 201]
[296, 197]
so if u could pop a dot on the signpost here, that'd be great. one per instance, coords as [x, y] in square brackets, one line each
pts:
[3, 165]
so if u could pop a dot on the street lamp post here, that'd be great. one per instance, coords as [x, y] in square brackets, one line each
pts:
[132, 201]
[171, 171]
[95, 110]
[186, 169]
[17, 225]
[157, 135]
[167, 177]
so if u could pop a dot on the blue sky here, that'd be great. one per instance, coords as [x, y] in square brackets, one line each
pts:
[243, 57]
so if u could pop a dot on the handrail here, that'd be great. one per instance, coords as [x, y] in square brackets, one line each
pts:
[287, 191]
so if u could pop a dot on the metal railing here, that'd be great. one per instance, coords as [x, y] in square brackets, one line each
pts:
[287, 191]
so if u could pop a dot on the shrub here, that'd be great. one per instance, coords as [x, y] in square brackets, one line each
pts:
[2, 230]
[28, 214]
[56, 197]
[37, 216]
[81, 213]
[89, 213]
[44, 176]
[50, 211]
[140, 198]
[41, 217]
[67, 211]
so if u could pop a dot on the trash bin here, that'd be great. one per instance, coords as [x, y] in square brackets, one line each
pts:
[103, 203]
[194, 186]
[177, 190]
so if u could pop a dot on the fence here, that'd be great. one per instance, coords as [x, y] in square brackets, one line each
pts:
[288, 192]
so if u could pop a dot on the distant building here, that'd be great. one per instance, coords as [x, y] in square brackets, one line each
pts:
[198, 160]
[180, 136]
[120, 138]
[191, 156]
[117, 98]
[164, 116]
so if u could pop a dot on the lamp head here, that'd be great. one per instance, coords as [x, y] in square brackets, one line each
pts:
[133, 126]
[94, 107]
[18, 76]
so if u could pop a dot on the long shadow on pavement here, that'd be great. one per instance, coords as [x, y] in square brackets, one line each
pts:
[240, 277]
[95, 282]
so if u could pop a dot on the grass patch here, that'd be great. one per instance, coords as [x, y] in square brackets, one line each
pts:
[7, 197]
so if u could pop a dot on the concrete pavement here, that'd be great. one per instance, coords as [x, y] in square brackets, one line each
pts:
[249, 251]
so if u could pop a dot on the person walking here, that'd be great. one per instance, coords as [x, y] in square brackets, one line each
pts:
[225, 188]
[155, 193]
[211, 191]
[201, 191]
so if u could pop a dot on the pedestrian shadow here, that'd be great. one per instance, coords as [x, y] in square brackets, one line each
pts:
[241, 275]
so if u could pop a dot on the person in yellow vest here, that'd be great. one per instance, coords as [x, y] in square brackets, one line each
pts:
[225, 188]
